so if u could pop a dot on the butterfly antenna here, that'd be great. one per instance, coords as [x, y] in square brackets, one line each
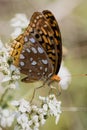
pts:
[74, 109]
[79, 75]
[43, 85]
[75, 75]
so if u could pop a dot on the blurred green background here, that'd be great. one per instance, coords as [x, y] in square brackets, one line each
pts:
[72, 19]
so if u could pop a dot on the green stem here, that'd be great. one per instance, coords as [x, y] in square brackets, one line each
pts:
[3, 95]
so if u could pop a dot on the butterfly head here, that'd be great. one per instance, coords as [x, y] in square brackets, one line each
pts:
[55, 78]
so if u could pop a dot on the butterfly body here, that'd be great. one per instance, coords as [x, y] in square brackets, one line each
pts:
[38, 51]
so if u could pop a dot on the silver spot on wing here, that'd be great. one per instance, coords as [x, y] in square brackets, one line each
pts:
[45, 62]
[22, 63]
[32, 40]
[40, 50]
[34, 50]
[33, 63]
[22, 56]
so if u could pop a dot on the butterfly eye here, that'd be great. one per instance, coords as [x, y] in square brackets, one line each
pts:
[37, 36]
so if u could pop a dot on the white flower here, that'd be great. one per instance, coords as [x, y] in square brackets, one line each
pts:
[19, 22]
[40, 111]
[34, 108]
[5, 68]
[54, 108]
[24, 106]
[35, 118]
[30, 122]
[37, 124]
[5, 113]
[43, 121]
[1, 45]
[57, 119]
[6, 78]
[42, 98]
[15, 103]
[36, 127]
[6, 117]
[45, 107]
[16, 33]
[1, 77]
[13, 68]
[65, 77]
[23, 121]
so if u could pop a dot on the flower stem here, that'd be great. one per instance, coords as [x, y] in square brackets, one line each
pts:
[3, 95]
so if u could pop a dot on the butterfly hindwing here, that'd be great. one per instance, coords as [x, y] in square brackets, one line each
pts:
[34, 62]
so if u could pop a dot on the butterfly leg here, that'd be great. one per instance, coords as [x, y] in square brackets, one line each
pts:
[51, 88]
[57, 79]
[57, 89]
[44, 83]
[36, 90]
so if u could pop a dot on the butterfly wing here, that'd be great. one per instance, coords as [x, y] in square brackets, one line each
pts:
[46, 30]
[57, 35]
[42, 31]
[34, 61]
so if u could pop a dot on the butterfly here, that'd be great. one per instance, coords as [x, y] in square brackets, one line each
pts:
[38, 51]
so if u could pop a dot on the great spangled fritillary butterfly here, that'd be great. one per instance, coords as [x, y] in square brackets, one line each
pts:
[38, 51]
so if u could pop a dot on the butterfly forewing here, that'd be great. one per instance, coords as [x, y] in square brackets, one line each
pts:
[57, 35]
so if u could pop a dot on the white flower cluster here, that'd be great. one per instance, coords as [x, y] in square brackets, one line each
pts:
[19, 22]
[52, 106]
[31, 117]
[6, 117]
[8, 72]
[28, 116]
